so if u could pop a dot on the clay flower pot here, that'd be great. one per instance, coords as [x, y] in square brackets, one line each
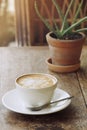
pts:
[65, 52]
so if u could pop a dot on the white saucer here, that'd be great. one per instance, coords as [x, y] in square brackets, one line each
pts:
[12, 102]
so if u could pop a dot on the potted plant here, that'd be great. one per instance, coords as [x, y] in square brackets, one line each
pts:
[65, 42]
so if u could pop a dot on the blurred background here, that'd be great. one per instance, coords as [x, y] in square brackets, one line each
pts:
[7, 22]
[20, 25]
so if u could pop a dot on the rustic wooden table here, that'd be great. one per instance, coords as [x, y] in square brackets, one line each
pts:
[18, 61]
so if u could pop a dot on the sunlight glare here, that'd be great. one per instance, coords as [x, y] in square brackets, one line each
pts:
[11, 6]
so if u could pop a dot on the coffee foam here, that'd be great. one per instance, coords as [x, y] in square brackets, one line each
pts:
[35, 81]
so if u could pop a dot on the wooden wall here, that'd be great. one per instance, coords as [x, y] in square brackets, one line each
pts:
[29, 28]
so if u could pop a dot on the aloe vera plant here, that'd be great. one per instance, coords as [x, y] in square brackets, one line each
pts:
[65, 28]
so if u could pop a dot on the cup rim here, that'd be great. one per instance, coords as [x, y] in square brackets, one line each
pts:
[45, 74]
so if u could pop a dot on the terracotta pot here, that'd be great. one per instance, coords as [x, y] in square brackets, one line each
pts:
[65, 52]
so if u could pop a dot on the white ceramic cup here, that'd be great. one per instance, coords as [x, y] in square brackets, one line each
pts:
[36, 89]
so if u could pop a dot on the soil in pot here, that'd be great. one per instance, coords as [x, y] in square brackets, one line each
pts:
[72, 36]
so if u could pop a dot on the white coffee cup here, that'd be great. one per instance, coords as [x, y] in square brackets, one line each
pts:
[36, 89]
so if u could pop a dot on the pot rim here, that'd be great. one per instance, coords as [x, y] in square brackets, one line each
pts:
[83, 37]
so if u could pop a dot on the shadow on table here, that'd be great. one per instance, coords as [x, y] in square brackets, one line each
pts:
[54, 121]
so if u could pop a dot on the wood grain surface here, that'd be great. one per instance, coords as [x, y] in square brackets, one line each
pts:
[17, 61]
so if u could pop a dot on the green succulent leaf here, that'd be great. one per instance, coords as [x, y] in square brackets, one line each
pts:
[57, 31]
[77, 12]
[81, 30]
[61, 15]
[42, 18]
[65, 17]
[74, 25]
[58, 9]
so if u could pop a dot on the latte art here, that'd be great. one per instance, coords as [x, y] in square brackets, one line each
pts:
[35, 81]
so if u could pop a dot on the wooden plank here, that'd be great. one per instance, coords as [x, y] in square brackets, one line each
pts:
[82, 74]
[17, 61]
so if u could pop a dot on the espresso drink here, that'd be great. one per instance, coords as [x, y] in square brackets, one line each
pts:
[35, 81]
